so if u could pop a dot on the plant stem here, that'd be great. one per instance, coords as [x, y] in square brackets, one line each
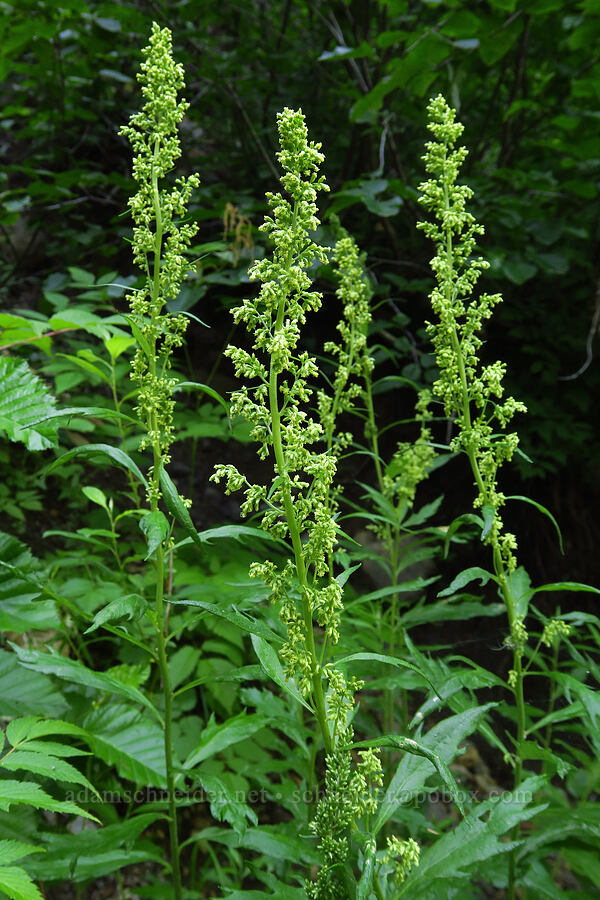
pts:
[499, 570]
[309, 637]
[163, 663]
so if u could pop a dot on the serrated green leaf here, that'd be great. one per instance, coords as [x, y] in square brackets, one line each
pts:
[12, 792]
[27, 693]
[17, 884]
[11, 851]
[45, 765]
[25, 397]
[225, 804]
[155, 527]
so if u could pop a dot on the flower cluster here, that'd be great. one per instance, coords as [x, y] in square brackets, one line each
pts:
[354, 364]
[471, 393]
[350, 794]
[402, 856]
[276, 399]
[160, 239]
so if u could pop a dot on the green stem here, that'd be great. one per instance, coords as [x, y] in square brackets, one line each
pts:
[163, 663]
[309, 637]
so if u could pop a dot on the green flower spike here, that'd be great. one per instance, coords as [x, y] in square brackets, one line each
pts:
[160, 241]
[470, 392]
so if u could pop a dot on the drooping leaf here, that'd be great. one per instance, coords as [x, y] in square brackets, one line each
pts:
[52, 663]
[272, 667]
[13, 792]
[408, 745]
[176, 506]
[413, 771]
[91, 451]
[155, 527]
[131, 608]
[466, 577]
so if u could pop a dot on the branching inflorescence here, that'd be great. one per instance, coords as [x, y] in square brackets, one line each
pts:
[470, 392]
[297, 505]
[160, 241]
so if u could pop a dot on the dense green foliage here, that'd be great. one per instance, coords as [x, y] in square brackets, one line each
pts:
[304, 704]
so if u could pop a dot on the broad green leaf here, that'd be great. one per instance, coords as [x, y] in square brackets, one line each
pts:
[466, 577]
[155, 527]
[87, 451]
[131, 607]
[27, 693]
[95, 495]
[489, 514]
[519, 587]
[538, 879]
[271, 666]
[29, 728]
[23, 398]
[17, 884]
[118, 345]
[18, 589]
[475, 840]
[53, 663]
[215, 737]
[412, 771]
[131, 742]
[11, 851]
[408, 745]
[531, 750]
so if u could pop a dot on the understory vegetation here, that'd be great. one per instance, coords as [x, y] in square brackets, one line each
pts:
[274, 621]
